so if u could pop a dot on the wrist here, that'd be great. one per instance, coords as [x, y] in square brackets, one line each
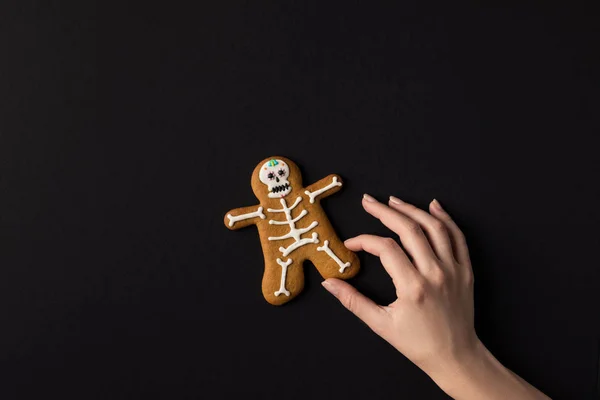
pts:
[455, 370]
[476, 374]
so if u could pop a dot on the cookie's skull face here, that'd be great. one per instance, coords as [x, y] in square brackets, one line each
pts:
[274, 174]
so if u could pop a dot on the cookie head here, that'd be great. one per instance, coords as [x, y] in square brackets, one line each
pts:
[274, 174]
[275, 178]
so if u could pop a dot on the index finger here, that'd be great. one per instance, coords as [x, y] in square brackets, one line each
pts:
[392, 257]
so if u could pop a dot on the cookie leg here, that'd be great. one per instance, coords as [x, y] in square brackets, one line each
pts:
[334, 260]
[283, 280]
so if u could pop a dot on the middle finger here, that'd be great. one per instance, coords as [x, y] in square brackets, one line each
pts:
[411, 235]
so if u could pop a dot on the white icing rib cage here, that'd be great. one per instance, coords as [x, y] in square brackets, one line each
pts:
[295, 233]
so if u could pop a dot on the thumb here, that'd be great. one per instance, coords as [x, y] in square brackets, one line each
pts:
[360, 305]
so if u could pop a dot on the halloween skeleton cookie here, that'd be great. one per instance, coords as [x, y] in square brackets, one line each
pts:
[293, 228]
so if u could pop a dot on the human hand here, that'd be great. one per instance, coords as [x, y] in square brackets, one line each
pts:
[433, 315]
[432, 320]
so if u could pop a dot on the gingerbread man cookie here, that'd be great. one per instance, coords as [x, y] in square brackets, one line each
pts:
[293, 228]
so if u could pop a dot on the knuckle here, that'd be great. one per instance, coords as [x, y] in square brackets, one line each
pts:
[412, 227]
[469, 278]
[389, 243]
[445, 216]
[417, 292]
[439, 227]
[350, 301]
[438, 278]
[460, 236]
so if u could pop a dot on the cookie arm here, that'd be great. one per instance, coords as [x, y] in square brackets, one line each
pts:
[323, 188]
[243, 216]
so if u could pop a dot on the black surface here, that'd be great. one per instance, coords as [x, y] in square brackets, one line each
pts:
[127, 132]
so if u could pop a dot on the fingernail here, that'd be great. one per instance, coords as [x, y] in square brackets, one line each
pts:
[369, 198]
[436, 204]
[331, 287]
[396, 200]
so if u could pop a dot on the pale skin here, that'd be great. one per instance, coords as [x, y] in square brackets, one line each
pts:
[431, 321]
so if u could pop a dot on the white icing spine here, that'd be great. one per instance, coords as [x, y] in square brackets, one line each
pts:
[294, 232]
[285, 208]
[302, 214]
[314, 239]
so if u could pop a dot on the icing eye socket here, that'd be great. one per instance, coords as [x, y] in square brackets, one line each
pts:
[281, 172]
[271, 175]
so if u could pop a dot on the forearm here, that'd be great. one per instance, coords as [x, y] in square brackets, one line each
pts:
[480, 375]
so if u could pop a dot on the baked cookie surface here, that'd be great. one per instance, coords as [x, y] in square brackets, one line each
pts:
[293, 228]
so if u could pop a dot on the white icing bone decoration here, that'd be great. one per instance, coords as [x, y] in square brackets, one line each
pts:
[314, 194]
[331, 254]
[284, 266]
[293, 228]
[294, 232]
[257, 213]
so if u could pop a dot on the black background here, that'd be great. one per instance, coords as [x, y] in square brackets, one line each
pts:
[127, 131]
